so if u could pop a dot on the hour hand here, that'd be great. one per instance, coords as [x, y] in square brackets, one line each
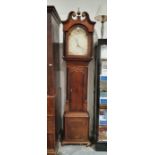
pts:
[77, 43]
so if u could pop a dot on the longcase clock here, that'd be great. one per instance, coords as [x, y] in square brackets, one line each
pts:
[78, 43]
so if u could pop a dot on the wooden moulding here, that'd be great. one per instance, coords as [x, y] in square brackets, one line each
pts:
[76, 114]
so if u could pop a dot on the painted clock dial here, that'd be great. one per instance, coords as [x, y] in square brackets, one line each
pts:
[78, 42]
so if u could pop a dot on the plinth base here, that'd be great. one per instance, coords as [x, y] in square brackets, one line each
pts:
[75, 143]
[76, 128]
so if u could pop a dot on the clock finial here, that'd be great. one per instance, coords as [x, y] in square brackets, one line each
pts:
[78, 13]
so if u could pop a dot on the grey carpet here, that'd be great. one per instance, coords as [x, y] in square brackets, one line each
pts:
[78, 150]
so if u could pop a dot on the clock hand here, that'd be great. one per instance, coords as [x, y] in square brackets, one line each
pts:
[77, 43]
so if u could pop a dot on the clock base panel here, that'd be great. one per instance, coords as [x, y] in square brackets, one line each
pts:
[76, 128]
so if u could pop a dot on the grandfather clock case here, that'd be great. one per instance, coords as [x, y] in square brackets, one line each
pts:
[78, 44]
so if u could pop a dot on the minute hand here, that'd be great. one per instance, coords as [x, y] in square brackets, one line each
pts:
[78, 45]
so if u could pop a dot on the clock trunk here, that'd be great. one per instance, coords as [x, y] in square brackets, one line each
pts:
[77, 86]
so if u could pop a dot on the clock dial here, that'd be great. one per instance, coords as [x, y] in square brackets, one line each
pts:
[78, 42]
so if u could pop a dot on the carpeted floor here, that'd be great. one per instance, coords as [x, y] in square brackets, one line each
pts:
[78, 150]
